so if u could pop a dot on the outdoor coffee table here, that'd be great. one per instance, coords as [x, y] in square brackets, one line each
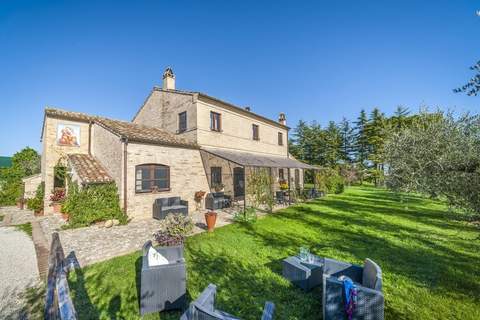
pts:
[306, 275]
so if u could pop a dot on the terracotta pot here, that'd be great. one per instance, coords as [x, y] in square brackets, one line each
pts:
[38, 213]
[20, 204]
[210, 218]
[57, 207]
[65, 216]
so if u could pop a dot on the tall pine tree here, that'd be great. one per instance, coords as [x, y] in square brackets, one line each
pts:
[361, 138]
[348, 140]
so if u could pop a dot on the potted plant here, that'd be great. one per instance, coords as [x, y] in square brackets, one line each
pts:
[283, 185]
[210, 219]
[198, 199]
[57, 198]
[35, 204]
[174, 230]
[20, 203]
[218, 187]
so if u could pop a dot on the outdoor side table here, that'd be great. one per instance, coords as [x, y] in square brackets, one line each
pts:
[306, 275]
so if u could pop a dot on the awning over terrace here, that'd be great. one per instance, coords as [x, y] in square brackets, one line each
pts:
[257, 160]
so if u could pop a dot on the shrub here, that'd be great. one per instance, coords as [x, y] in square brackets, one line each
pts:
[92, 204]
[247, 216]
[330, 181]
[36, 203]
[175, 228]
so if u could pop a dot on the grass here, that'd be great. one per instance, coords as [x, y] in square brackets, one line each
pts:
[431, 262]
[25, 227]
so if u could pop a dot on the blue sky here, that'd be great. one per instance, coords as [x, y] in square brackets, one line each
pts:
[318, 60]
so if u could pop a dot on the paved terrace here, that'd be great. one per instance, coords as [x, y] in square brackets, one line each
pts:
[97, 243]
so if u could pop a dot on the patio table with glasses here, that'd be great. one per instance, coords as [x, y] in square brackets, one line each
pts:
[304, 270]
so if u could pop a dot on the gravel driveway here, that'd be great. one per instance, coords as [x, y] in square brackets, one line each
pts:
[18, 270]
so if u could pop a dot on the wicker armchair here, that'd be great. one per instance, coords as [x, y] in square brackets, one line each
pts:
[163, 287]
[217, 200]
[204, 308]
[368, 279]
[164, 206]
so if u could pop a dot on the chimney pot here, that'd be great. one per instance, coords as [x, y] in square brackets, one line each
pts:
[282, 119]
[168, 79]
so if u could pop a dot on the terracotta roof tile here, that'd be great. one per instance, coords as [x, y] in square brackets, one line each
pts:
[140, 133]
[88, 168]
[129, 130]
[58, 113]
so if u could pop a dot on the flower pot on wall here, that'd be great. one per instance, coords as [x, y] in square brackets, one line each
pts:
[210, 219]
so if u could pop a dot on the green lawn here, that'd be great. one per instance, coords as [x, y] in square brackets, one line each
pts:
[431, 262]
[25, 227]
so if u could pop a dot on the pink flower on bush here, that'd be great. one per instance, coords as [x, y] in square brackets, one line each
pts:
[58, 195]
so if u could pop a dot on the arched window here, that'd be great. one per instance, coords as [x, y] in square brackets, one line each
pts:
[152, 178]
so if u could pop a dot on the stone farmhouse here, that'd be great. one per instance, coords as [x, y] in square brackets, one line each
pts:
[178, 142]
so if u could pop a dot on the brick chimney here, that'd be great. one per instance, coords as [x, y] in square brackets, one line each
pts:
[168, 79]
[282, 119]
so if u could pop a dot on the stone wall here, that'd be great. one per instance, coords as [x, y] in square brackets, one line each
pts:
[237, 132]
[30, 185]
[108, 149]
[210, 161]
[53, 152]
[187, 176]
[161, 110]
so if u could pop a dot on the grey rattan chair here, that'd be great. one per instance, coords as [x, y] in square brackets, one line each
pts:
[163, 287]
[164, 206]
[204, 308]
[368, 280]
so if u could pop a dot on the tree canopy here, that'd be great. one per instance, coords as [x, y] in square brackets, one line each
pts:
[472, 87]
[438, 155]
[24, 163]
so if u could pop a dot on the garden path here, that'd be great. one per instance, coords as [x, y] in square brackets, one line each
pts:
[18, 271]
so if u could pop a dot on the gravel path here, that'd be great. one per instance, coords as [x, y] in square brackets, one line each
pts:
[18, 270]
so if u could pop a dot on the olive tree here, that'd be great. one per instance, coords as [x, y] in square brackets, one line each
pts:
[437, 155]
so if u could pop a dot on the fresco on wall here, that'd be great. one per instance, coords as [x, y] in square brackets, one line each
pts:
[68, 135]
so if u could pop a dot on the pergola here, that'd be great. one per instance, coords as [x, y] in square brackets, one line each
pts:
[247, 159]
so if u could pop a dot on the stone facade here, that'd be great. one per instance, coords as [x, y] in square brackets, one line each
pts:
[186, 176]
[53, 153]
[30, 185]
[237, 131]
[210, 161]
[108, 149]
[161, 110]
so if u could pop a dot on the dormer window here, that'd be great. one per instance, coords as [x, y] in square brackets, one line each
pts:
[215, 121]
[255, 132]
[182, 122]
